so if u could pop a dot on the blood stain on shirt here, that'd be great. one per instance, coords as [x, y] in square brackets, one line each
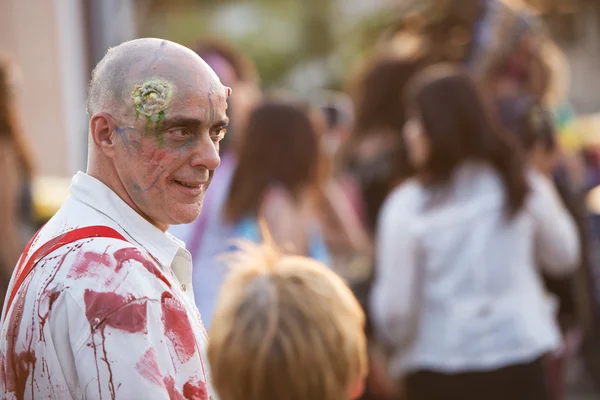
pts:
[177, 327]
[195, 390]
[134, 254]
[149, 369]
[51, 296]
[17, 366]
[120, 312]
[173, 392]
[124, 313]
[89, 264]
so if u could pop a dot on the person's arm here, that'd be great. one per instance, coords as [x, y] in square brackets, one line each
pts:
[285, 221]
[342, 227]
[557, 242]
[394, 296]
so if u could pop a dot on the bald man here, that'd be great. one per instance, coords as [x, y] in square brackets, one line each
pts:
[101, 304]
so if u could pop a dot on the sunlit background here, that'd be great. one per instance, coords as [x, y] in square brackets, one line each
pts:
[305, 46]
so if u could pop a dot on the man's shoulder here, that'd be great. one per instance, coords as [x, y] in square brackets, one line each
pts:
[65, 240]
[103, 264]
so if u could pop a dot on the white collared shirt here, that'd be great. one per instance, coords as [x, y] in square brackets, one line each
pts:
[96, 322]
[457, 286]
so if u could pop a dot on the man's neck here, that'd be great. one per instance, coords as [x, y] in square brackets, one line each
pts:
[115, 184]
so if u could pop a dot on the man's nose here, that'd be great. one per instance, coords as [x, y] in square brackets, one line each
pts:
[206, 154]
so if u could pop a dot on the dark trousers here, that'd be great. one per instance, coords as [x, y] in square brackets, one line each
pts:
[517, 382]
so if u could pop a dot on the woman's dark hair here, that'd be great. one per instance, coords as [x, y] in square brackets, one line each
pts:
[380, 108]
[380, 103]
[460, 127]
[280, 146]
[10, 124]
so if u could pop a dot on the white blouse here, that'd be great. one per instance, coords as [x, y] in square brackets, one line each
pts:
[457, 286]
[97, 322]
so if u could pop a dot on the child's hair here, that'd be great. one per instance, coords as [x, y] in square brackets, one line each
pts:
[285, 328]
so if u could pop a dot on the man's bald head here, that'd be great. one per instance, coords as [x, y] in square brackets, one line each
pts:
[134, 62]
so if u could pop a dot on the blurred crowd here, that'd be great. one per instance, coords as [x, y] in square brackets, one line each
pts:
[445, 184]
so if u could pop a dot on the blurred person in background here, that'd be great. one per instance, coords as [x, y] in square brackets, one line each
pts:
[203, 237]
[286, 328]
[276, 178]
[375, 161]
[498, 41]
[534, 128]
[504, 45]
[375, 154]
[16, 174]
[338, 111]
[344, 232]
[458, 296]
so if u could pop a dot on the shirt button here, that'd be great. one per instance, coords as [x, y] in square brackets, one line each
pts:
[183, 287]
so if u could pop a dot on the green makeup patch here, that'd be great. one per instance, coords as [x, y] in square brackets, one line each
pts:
[151, 99]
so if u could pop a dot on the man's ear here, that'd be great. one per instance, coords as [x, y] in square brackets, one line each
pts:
[102, 131]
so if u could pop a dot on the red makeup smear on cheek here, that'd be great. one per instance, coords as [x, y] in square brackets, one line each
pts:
[133, 254]
[154, 166]
[177, 327]
[195, 390]
[155, 157]
[115, 311]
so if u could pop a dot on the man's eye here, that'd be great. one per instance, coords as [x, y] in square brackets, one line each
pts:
[180, 133]
[218, 134]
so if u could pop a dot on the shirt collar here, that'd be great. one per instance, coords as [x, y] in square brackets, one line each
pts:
[95, 194]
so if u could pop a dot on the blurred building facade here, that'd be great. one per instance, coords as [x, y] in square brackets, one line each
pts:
[56, 43]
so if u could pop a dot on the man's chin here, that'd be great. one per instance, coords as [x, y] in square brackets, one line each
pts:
[186, 216]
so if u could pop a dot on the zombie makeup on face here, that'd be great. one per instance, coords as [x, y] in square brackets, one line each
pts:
[183, 132]
[151, 99]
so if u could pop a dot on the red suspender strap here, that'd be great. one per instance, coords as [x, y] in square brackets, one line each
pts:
[26, 264]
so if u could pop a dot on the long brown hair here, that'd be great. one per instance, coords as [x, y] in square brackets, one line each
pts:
[380, 103]
[459, 126]
[10, 123]
[280, 146]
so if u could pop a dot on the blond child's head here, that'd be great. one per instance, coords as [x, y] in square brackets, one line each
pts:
[286, 328]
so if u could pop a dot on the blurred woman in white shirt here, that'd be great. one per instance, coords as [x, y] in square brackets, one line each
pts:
[457, 296]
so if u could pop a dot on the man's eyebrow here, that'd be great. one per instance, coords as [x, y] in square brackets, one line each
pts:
[180, 121]
[189, 121]
[222, 122]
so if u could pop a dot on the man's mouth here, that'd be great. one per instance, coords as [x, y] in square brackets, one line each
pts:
[191, 185]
